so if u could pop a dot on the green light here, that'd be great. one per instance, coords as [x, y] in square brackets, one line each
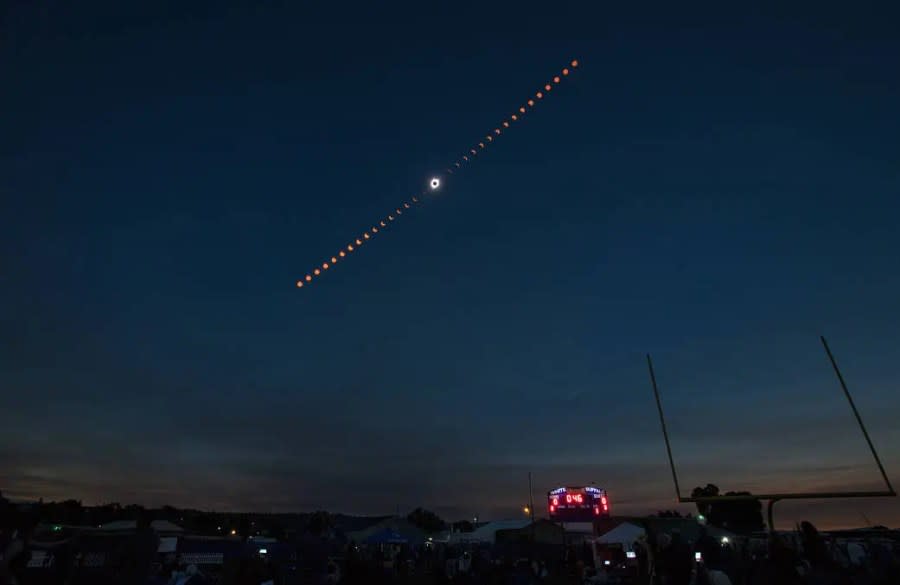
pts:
[57, 528]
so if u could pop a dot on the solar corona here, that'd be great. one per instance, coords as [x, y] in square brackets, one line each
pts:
[436, 183]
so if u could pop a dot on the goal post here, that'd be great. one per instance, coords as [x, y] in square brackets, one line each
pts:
[774, 497]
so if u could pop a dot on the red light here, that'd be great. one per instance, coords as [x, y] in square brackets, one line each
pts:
[605, 508]
[552, 508]
[603, 500]
[596, 511]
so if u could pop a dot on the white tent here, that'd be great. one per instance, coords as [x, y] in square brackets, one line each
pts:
[488, 532]
[625, 534]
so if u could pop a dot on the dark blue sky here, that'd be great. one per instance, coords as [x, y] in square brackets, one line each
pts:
[716, 188]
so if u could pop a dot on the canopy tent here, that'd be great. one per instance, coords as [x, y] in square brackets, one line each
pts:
[398, 529]
[625, 534]
[487, 533]
[387, 536]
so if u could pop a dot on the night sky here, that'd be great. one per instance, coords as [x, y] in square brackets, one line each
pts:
[715, 188]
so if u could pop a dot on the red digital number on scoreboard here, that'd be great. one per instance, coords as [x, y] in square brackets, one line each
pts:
[569, 499]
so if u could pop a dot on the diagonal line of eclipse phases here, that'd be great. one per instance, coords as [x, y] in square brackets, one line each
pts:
[435, 183]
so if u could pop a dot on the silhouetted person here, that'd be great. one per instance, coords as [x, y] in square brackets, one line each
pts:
[640, 553]
[783, 563]
[138, 553]
[245, 570]
[679, 561]
[18, 552]
[823, 569]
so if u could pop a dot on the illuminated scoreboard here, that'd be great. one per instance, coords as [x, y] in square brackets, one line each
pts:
[577, 504]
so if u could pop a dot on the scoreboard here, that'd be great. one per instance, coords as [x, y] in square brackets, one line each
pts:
[577, 504]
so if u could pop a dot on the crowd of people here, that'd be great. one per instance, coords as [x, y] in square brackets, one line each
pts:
[659, 558]
[802, 558]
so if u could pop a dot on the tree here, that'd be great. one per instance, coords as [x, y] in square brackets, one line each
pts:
[463, 526]
[244, 528]
[426, 520]
[320, 522]
[67, 512]
[702, 492]
[741, 516]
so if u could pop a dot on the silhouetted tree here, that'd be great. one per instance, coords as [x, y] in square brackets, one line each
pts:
[244, 529]
[203, 522]
[702, 492]
[66, 512]
[426, 520]
[463, 526]
[6, 513]
[741, 516]
[738, 516]
[320, 522]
